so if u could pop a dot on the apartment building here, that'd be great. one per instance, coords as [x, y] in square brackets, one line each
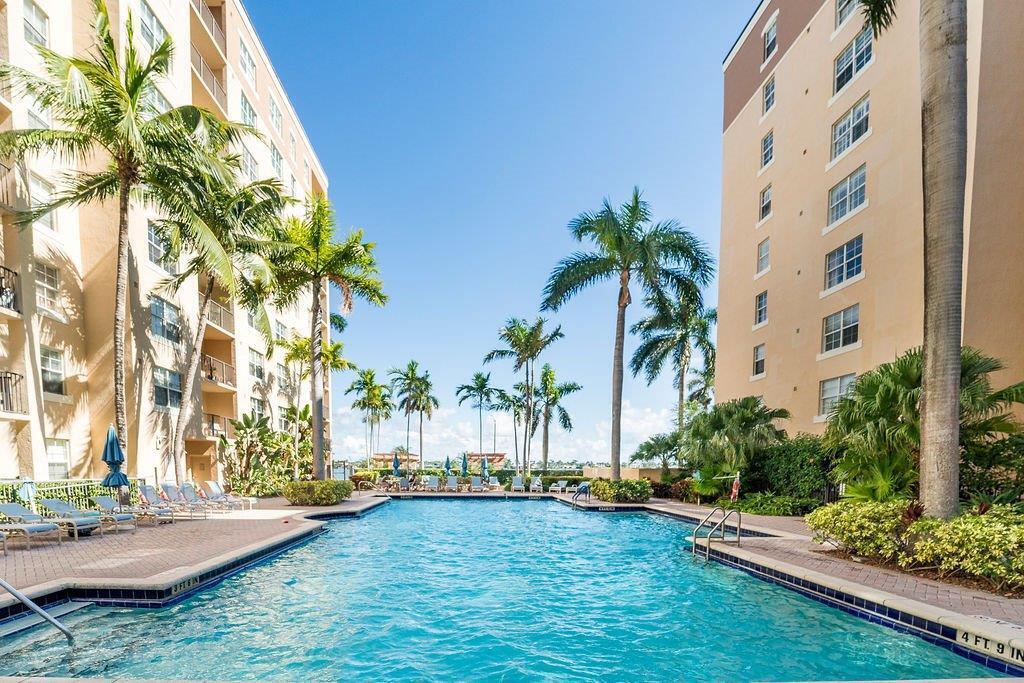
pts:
[57, 276]
[822, 271]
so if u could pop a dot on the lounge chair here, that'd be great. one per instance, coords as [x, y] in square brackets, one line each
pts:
[517, 484]
[151, 500]
[475, 484]
[73, 526]
[155, 515]
[452, 484]
[571, 488]
[30, 531]
[66, 510]
[189, 493]
[403, 484]
[431, 484]
[178, 503]
[558, 487]
[536, 486]
[214, 491]
[493, 484]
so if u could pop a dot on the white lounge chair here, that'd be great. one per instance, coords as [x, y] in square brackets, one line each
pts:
[214, 491]
[536, 486]
[403, 484]
[173, 497]
[571, 488]
[475, 484]
[189, 493]
[558, 487]
[30, 531]
[111, 506]
[431, 484]
[452, 484]
[19, 514]
[493, 484]
[517, 484]
[68, 511]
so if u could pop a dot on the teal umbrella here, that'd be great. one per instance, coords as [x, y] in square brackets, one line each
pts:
[447, 466]
[483, 468]
[114, 457]
[465, 465]
[395, 464]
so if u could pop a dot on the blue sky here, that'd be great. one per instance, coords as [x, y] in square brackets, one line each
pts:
[463, 136]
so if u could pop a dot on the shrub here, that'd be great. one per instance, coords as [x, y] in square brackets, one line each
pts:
[622, 491]
[328, 492]
[661, 489]
[993, 469]
[770, 504]
[797, 467]
[683, 490]
[868, 529]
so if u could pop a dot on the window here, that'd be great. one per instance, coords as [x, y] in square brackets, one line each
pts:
[258, 406]
[276, 160]
[58, 458]
[844, 8]
[166, 388]
[247, 63]
[841, 329]
[844, 263]
[853, 58]
[281, 372]
[248, 113]
[766, 203]
[152, 31]
[761, 308]
[762, 256]
[249, 167]
[47, 287]
[291, 143]
[40, 193]
[831, 390]
[767, 148]
[280, 330]
[39, 117]
[250, 318]
[758, 368]
[291, 184]
[256, 364]
[768, 95]
[770, 38]
[275, 115]
[850, 128]
[165, 320]
[847, 195]
[51, 366]
[155, 102]
[159, 250]
[283, 423]
[37, 24]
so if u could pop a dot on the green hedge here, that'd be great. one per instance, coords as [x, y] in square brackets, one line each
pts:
[327, 492]
[797, 468]
[622, 491]
[771, 504]
[78, 492]
[988, 546]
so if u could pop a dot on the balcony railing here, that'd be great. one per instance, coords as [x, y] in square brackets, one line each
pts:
[218, 371]
[208, 76]
[215, 426]
[211, 23]
[222, 317]
[7, 195]
[9, 290]
[12, 393]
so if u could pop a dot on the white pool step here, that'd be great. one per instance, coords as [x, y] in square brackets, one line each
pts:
[31, 619]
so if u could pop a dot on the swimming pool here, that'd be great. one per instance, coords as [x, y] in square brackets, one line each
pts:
[487, 590]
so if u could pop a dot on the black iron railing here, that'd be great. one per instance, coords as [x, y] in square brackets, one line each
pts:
[9, 290]
[12, 393]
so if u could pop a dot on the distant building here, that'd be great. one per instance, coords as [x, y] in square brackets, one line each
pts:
[384, 460]
[495, 461]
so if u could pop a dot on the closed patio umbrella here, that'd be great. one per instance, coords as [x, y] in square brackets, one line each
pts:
[395, 464]
[483, 468]
[465, 465]
[447, 466]
[114, 457]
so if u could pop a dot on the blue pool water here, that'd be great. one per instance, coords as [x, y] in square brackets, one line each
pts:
[487, 590]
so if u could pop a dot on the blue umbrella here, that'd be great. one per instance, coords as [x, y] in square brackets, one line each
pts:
[465, 465]
[483, 468]
[395, 464]
[114, 457]
[447, 466]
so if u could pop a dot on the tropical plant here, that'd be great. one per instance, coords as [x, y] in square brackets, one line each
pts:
[622, 491]
[673, 331]
[373, 399]
[730, 432]
[888, 476]
[702, 386]
[524, 343]
[481, 393]
[942, 35]
[403, 383]
[424, 402]
[318, 261]
[252, 463]
[550, 393]
[330, 492]
[110, 123]
[513, 404]
[629, 248]
[300, 421]
[660, 448]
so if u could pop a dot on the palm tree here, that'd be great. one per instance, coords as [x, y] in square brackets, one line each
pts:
[524, 343]
[106, 104]
[301, 422]
[661, 448]
[373, 399]
[513, 404]
[730, 432]
[702, 386]
[481, 393]
[424, 403]
[403, 382]
[318, 260]
[943, 57]
[628, 248]
[234, 249]
[674, 330]
[550, 393]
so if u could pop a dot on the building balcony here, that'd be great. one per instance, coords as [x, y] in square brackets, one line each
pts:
[220, 322]
[210, 92]
[218, 376]
[207, 27]
[13, 399]
[216, 426]
[10, 302]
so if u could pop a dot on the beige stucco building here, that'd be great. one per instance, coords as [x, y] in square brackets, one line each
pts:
[57, 282]
[821, 237]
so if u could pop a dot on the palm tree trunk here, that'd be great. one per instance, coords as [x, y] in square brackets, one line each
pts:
[544, 447]
[684, 365]
[191, 368]
[408, 426]
[620, 339]
[515, 439]
[316, 387]
[943, 45]
[421, 436]
[481, 427]
[120, 315]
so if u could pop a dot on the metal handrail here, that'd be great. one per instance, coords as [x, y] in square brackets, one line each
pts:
[221, 316]
[24, 599]
[211, 23]
[209, 77]
[719, 527]
[216, 370]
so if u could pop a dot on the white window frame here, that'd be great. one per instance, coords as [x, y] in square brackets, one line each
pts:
[61, 448]
[831, 390]
[763, 255]
[40, 192]
[247, 111]
[169, 382]
[852, 59]
[848, 195]
[37, 24]
[258, 407]
[768, 95]
[158, 250]
[276, 117]
[47, 280]
[760, 359]
[844, 262]
[851, 127]
[844, 10]
[768, 148]
[277, 162]
[840, 329]
[761, 307]
[770, 40]
[250, 169]
[151, 30]
[165, 320]
[764, 210]
[246, 62]
[291, 143]
[51, 361]
[256, 368]
[280, 330]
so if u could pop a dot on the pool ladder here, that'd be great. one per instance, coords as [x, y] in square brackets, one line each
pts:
[25, 600]
[719, 527]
